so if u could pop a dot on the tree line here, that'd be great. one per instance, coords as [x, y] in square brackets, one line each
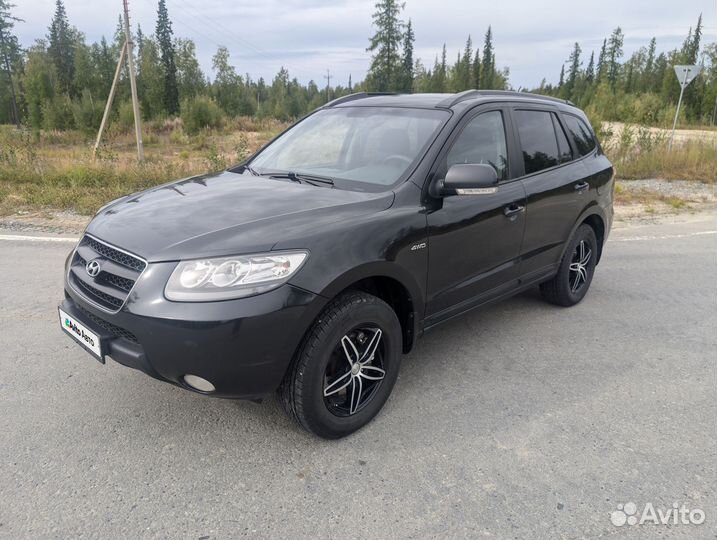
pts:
[61, 81]
[643, 88]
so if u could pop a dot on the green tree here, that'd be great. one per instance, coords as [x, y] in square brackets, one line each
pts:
[573, 72]
[487, 70]
[561, 82]
[476, 82]
[601, 65]
[384, 72]
[10, 57]
[61, 47]
[151, 81]
[166, 47]
[614, 53]
[647, 79]
[227, 84]
[463, 69]
[38, 82]
[590, 70]
[407, 60]
[190, 79]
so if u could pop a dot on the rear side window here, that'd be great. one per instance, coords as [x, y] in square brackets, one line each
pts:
[566, 154]
[581, 133]
[537, 140]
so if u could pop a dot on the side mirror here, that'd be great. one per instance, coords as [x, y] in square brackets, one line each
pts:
[469, 179]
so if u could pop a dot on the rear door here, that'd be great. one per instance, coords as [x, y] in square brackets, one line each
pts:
[555, 184]
[474, 240]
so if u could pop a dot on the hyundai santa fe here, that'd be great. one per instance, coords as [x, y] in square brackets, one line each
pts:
[313, 266]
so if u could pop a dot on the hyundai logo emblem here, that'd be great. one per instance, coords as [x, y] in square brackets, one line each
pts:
[93, 268]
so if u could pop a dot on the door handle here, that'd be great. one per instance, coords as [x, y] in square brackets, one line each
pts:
[513, 209]
[581, 186]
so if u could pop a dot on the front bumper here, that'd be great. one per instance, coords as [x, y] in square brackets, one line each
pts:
[243, 347]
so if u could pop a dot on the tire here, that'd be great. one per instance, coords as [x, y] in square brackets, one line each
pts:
[578, 263]
[346, 366]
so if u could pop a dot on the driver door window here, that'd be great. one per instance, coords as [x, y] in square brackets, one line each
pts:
[482, 141]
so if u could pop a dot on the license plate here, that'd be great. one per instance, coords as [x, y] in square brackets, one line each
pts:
[89, 340]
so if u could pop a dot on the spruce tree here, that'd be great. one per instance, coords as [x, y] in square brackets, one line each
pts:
[166, 47]
[614, 53]
[61, 48]
[476, 83]
[692, 45]
[10, 56]
[385, 70]
[601, 61]
[648, 72]
[561, 82]
[487, 75]
[466, 68]
[574, 62]
[590, 70]
[407, 61]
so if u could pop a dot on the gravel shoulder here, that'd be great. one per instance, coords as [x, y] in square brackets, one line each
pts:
[640, 201]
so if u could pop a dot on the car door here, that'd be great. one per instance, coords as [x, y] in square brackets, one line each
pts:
[555, 184]
[474, 240]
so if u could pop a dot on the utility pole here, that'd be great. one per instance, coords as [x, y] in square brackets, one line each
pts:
[133, 83]
[328, 85]
[126, 52]
[15, 114]
[110, 98]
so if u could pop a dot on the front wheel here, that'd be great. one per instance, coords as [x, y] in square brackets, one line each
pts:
[346, 367]
[571, 283]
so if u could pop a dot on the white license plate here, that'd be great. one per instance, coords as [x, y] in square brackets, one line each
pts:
[89, 340]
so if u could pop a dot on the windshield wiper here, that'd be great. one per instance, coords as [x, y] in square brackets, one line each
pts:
[252, 171]
[312, 179]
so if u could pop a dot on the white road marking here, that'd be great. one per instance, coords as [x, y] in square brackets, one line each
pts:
[663, 237]
[21, 238]
[25, 238]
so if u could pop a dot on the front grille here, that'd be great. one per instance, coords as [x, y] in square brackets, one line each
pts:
[111, 328]
[118, 273]
[120, 257]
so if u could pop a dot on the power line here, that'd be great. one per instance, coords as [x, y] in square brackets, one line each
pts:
[213, 27]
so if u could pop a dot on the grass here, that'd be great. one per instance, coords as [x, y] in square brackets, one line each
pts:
[55, 170]
[639, 152]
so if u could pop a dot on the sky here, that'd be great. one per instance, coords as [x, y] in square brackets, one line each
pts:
[532, 38]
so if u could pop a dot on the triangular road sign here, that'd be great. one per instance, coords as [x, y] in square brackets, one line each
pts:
[686, 74]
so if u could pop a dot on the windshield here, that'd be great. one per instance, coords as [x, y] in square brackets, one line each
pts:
[372, 145]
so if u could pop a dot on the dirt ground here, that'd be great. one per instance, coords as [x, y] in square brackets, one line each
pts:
[681, 135]
[637, 201]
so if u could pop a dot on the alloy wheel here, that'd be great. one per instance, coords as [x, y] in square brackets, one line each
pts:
[579, 266]
[355, 371]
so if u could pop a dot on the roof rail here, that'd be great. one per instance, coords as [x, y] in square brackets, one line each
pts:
[470, 94]
[358, 95]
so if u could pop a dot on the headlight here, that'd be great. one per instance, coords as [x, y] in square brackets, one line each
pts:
[205, 280]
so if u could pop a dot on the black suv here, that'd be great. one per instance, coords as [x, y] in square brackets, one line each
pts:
[314, 265]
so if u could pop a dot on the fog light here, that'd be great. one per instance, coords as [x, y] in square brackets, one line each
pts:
[198, 383]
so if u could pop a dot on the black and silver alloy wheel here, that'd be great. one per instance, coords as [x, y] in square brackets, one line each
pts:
[355, 371]
[575, 273]
[579, 266]
[346, 367]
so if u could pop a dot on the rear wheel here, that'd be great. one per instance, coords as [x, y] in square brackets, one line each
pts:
[571, 283]
[346, 367]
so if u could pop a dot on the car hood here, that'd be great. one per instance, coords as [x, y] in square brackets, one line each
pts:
[225, 214]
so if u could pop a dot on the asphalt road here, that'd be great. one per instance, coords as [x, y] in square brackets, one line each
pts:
[519, 421]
